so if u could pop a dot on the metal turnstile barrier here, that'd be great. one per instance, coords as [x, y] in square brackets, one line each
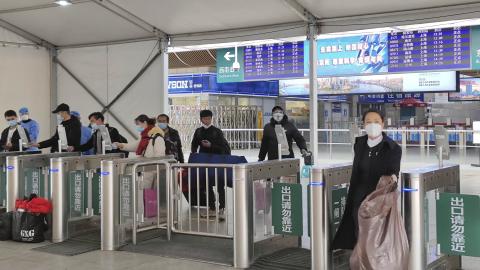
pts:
[28, 174]
[124, 210]
[3, 173]
[75, 188]
[420, 188]
[329, 189]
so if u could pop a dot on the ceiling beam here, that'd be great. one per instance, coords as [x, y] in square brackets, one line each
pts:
[127, 15]
[26, 35]
[301, 11]
[37, 7]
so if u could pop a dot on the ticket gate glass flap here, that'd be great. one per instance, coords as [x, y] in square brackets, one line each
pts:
[78, 191]
[35, 182]
[96, 194]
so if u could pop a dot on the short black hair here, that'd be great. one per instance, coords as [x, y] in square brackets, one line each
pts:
[97, 115]
[373, 111]
[206, 113]
[144, 118]
[164, 115]
[276, 108]
[10, 113]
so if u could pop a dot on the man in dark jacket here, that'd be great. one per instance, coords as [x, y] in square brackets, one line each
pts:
[173, 143]
[10, 136]
[73, 130]
[279, 126]
[210, 139]
[98, 119]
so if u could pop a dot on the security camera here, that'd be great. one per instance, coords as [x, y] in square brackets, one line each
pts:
[236, 66]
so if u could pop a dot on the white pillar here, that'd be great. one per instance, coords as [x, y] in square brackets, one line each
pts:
[312, 38]
[164, 107]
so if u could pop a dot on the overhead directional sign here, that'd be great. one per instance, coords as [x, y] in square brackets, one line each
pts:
[226, 72]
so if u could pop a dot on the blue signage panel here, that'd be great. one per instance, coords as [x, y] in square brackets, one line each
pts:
[389, 98]
[363, 54]
[435, 49]
[207, 83]
[274, 61]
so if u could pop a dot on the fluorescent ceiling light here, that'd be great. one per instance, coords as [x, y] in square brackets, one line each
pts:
[63, 3]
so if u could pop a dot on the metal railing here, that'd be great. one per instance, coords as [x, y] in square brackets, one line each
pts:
[29, 174]
[75, 191]
[196, 179]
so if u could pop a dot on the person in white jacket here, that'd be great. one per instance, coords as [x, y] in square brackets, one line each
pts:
[151, 144]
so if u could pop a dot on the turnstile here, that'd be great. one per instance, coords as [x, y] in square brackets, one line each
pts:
[28, 174]
[420, 188]
[328, 196]
[3, 173]
[121, 180]
[76, 194]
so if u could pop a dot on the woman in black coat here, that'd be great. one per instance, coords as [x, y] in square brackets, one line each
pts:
[375, 155]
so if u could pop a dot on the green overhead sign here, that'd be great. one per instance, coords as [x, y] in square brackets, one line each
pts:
[226, 72]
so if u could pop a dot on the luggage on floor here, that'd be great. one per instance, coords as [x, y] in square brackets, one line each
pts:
[5, 226]
[28, 227]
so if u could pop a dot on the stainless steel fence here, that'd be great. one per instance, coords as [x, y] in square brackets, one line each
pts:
[29, 174]
[75, 188]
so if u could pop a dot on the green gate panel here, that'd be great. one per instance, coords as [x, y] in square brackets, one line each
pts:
[34, 182]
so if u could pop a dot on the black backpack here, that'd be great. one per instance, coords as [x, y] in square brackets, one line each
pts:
[170, 146]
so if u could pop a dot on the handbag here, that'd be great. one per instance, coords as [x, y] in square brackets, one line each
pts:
[382, 238]
[150, 202]
[28, 227]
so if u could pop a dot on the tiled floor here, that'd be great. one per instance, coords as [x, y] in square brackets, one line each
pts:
[18, 256]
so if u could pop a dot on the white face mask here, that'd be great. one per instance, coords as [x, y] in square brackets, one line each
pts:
[278, 116]
[206, 126]
[373, 130]
[59, 119]
[25, 117]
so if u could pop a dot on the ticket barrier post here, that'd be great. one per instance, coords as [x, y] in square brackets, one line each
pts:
[75, 196]
[34, 169]
[120, 187]
[3, 173]
[416, 184]
[326, 213]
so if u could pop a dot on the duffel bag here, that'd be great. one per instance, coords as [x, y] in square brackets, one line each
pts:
[6, 226]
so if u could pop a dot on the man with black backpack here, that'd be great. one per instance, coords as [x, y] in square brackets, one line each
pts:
[173, 143]
[98, 119]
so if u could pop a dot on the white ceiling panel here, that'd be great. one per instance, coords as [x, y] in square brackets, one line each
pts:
[75, 24]
[343, 8]
[188, 16]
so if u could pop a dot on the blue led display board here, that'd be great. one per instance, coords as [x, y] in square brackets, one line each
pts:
[434, 49]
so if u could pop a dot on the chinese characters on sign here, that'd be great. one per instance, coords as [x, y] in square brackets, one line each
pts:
[126, 190]
[77, 204]
[36, 182]
[434, 49]
[339, 201]
[457, 225]
[286, 209]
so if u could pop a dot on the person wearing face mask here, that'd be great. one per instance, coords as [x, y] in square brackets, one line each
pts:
[30, 125]
[209, 138]
[9, 140]
[86, 133]
[151, 143]
[98, 119]
[376, 155]
[173, 143]
[73, 130]
[280, 126]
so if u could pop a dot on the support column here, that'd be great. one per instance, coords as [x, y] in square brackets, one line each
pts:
[53, 89]
[312, 38]
[164, 107]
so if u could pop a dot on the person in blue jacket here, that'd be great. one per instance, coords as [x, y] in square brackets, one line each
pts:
[30, 125]
[86, 133]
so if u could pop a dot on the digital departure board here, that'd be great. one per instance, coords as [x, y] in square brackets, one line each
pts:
[274, 61]
[434, 49]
